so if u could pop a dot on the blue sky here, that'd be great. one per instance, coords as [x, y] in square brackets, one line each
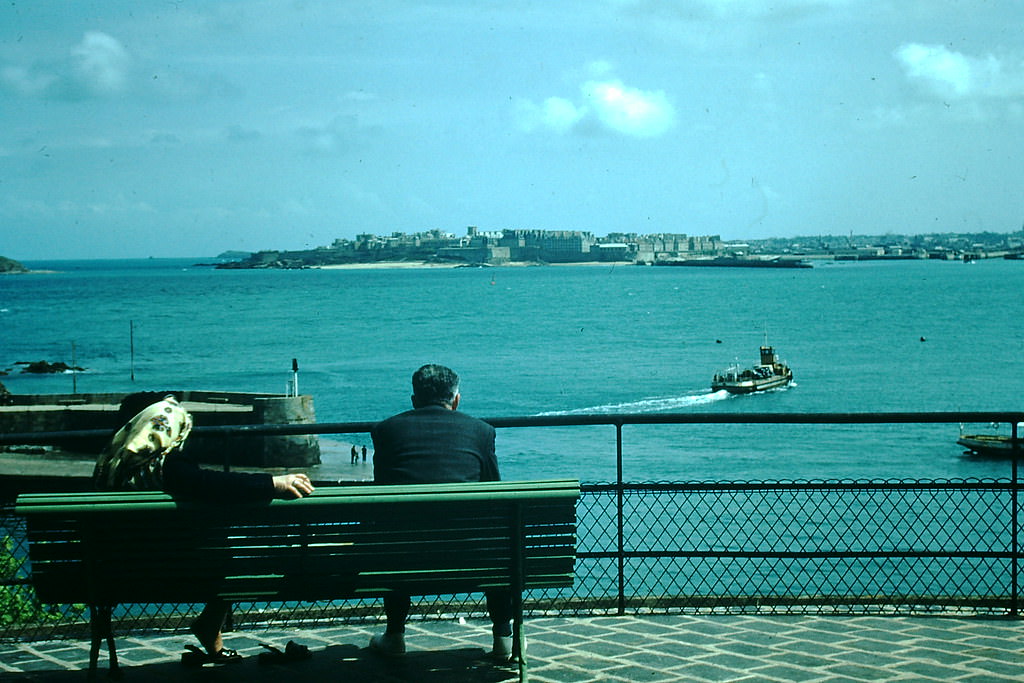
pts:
[183, 128]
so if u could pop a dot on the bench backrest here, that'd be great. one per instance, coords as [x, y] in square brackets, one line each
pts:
[344, 541]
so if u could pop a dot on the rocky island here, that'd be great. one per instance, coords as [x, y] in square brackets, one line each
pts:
[11, 266]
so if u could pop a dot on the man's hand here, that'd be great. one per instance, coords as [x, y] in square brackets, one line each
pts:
[287, 486]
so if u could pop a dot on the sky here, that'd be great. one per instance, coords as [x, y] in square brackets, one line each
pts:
[180, 128]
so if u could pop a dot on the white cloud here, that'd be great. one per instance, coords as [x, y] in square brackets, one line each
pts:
[608, 103]
[949, 74]
[628, 110]
[560, 114]
[97, 66]
[24, 81]
[100, 63]
[330, 137]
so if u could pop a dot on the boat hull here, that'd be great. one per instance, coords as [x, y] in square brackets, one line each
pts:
[991, 444]
[751, 386]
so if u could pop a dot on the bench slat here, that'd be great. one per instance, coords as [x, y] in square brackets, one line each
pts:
[99, 502]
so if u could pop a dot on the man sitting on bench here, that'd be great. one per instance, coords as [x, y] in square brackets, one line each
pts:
[431, 444]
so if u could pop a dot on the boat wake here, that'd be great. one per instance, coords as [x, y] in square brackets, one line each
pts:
[648, 405]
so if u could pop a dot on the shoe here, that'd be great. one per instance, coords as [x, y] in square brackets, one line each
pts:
[197, 657]
[502, 649]
[389, 644]
[293, 652]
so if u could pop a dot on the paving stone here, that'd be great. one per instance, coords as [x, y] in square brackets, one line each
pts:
[875, 645]
[605, 648]
[788, 673]
[982, 627]
[841, 625]
[658, 624]
[715, 626]
[705, 672]
[935, 633]
[695, 639]
[801, 659]
[815, 636]
[746, 648]
[563, 674]
[988, 678]
[735, 662]
[930, 654]
[634, 672]
[918, 668]
[776, 625]
[1011, 669]
[986, 642]
[870, 658]
[859, 672]
[804, 647]
[1015, 656]
[658, 660]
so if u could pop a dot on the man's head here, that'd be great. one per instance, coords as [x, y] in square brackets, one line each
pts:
[435, 385]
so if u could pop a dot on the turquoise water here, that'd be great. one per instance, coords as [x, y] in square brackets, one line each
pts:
[562, 340]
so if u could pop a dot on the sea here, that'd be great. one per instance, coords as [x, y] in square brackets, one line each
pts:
[875, 336]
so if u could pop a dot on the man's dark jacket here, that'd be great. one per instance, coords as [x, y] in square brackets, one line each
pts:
[432, 445]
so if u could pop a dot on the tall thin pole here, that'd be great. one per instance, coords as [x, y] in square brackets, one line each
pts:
[1015, 449]
[620, 519]
[131, 346]
[74, 370]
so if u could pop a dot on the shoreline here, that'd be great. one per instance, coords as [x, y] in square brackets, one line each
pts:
[409, 265]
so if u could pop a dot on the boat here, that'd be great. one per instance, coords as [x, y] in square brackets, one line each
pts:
[991, 445]
[771, 373]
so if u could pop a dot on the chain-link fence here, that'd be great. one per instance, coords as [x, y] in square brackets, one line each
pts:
[839, 546]
[881, 546]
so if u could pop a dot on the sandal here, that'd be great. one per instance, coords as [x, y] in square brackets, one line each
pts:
[293, 652]
[197, 657]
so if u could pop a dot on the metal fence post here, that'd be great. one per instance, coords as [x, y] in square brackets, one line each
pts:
[1015, 522]
[620, 495]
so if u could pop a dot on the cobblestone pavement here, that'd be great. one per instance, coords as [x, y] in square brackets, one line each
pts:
[752, 649]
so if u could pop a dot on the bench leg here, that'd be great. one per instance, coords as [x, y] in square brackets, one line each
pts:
[518, 639]
[101, 629]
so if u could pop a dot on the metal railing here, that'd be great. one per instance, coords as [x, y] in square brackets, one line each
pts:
[882, 546]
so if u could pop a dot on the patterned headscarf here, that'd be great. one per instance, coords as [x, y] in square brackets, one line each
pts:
[134, 459]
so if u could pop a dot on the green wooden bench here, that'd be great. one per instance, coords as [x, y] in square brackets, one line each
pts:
[342, 542]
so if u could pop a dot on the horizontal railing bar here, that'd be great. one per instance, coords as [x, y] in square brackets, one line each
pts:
[756, 418]
[809, 485]
[792, 554]
[567, 421]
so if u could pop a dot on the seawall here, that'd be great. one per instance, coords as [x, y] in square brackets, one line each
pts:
[35, 413]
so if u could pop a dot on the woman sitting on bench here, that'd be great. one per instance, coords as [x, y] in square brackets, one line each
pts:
[146, 454]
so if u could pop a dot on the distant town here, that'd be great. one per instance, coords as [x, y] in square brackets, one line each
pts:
[494, 248]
